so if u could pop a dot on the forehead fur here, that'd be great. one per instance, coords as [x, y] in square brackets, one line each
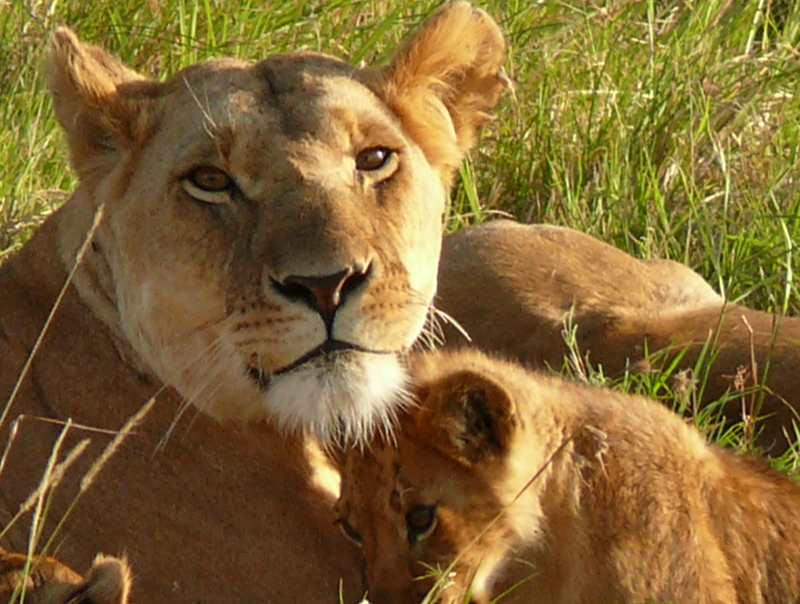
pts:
[292, 86]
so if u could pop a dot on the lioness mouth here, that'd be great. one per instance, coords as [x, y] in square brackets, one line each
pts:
[328, 350]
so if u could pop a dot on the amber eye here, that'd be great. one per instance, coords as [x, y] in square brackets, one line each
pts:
[210, 179]
[349, 531]
[208, 184]
[373, 158]
[420, 522]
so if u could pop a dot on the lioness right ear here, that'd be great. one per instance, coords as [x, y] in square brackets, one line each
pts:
[97, 99]
[468, 416]
[444, 81]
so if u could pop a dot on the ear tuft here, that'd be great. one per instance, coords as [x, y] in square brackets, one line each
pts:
[76, 67]
[468, 416]
[108, 581]
[445, 80]
[85, 82]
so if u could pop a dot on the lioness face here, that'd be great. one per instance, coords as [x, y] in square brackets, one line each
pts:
[271, 231]
[293, 230]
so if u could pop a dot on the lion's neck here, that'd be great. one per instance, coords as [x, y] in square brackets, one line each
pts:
[29, 285]
[76, 349]
[79, 239]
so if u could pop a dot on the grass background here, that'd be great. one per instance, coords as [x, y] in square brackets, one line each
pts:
[669, 128]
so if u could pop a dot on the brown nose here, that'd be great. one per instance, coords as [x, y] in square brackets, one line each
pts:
[324, 293]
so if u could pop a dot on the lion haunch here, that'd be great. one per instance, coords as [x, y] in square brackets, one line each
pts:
[513, 287]
[570, 493]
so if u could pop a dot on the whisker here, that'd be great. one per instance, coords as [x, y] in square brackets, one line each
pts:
[433, 332]
[201, 380]
[449, 319]
[197, 364]
[203, 327]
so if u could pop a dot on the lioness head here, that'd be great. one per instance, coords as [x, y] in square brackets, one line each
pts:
[270, 231]
[431, 509]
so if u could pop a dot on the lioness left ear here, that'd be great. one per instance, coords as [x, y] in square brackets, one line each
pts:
[444, 80]
[468, 416]
[97, 100]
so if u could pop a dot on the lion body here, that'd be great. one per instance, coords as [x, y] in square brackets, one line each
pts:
[514, 287]
[573, 494]
[257, 241]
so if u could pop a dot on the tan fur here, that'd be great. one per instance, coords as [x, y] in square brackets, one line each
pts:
[513, 286]
[216, 298]
[586, 495]
[48, 581]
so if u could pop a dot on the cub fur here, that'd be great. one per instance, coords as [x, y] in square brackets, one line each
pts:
[266, 246]
[45, 580]
[512, 287]
[574, 494]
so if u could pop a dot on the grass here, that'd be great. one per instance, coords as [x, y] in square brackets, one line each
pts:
[668, 128]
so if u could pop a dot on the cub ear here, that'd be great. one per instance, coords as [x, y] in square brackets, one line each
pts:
[468, 416]
[107, 582]
[444, 80]
[97, 99]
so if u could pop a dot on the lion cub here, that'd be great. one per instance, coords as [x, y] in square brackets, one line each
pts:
[577, 494]
[48, 581]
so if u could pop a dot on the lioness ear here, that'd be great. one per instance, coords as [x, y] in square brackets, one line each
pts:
[444, 80]
[468, 416]
[97, 99]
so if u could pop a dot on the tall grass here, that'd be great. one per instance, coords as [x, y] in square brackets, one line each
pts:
[670, 129]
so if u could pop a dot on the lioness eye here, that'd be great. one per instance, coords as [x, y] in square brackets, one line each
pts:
[210, 179]
[373, 158]
[420, 522]
[349, 532]
[208, 184]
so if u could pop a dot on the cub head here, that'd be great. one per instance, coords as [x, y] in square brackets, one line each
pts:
[429, 508]
[45, 580]
[269, 233]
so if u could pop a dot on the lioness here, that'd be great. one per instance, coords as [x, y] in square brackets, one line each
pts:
[576, 494]
[48, 581]
[512, 287]
[263, 241]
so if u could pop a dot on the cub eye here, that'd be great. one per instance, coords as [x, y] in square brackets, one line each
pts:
[351, 533]
[420, 522]
[208, 184]
[373, 158]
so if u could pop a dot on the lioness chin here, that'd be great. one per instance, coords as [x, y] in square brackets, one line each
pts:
[256, 240]
[574, 494]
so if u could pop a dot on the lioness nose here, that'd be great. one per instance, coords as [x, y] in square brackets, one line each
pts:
[325, 293]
